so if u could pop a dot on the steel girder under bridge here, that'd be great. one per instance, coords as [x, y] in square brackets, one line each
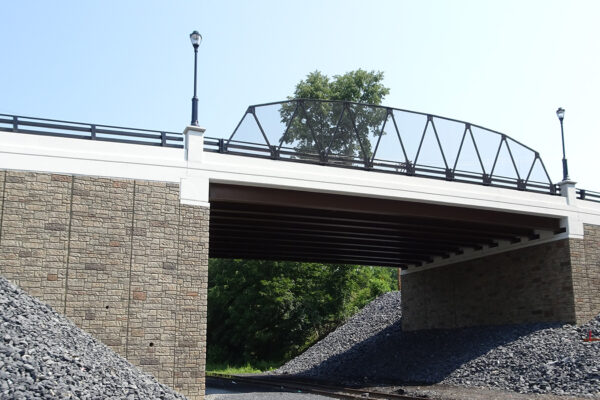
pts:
[275, 224]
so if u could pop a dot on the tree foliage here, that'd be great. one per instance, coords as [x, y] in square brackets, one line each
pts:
[272, 311]
[341, 129]
[357, 86]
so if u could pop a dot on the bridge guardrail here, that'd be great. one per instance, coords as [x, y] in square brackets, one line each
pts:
[78, 130]
[584, 194]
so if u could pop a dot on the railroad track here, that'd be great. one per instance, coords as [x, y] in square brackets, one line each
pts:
[311, 387]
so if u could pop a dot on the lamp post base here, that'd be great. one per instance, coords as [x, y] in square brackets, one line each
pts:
[194, 111]
[565, 170]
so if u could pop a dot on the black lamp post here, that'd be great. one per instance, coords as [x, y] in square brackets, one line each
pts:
[196, 38]
[560, 113]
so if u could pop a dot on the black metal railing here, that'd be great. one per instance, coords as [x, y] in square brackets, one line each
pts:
[588, 195]
[78, 130]
[362, 136]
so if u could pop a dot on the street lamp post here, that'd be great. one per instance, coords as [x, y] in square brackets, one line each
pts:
[560, 113]
[195, 38]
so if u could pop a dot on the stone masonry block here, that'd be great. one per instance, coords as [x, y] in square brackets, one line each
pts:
[34, 234]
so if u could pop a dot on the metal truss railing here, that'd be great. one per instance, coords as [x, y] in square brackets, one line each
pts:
[78, 130]
[362, 136]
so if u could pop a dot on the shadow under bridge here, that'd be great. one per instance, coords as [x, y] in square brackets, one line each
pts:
[287, 225]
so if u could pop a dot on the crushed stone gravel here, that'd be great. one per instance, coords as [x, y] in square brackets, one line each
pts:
[530, 358]
[43, 355]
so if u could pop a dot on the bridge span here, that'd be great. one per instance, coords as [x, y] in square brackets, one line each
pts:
[114, 226]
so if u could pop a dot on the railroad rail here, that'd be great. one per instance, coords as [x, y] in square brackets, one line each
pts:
[295, 385]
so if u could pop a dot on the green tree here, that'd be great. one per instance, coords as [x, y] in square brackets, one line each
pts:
[272, 311]
[342, 130]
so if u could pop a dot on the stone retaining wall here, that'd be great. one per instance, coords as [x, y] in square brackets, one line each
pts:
[586, 273]
[557, 281]
[121, 258]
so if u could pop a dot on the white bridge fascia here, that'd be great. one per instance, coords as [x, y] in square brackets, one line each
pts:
[194, 169]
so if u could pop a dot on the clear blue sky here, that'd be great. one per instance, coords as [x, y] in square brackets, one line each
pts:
[506, 65]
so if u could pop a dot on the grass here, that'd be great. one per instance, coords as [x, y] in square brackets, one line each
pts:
[240, 369]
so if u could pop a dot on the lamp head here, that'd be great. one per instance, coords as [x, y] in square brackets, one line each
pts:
[560, 113]
[195, 38]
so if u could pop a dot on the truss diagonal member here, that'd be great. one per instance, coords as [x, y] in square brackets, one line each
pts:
[502, 140]
[547, 176]
[260, 127]
[238, 126]
[422, 138]
[439, 143]
[476, 148]
[387, 115]
[460, 148]
[312, 133]
[512, 159]
[362, 147]
[406, 160]
[335, 132]
[289, 124]
[535, 158]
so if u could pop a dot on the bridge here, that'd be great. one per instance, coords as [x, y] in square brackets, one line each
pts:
[114, 226]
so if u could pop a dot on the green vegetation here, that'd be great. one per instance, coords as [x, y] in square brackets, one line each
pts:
[269, 312]
[221, 368]
[359, 86]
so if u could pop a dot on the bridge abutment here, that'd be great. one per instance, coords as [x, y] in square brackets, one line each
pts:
[556, 281]
[122, 258]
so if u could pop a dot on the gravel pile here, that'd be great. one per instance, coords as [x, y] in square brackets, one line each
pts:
[531, 358]
[43, 355]
[367, 323]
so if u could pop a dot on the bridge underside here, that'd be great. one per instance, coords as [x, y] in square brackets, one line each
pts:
[274, 224]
